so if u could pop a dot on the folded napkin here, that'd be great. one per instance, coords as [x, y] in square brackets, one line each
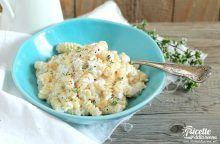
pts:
[21, 122]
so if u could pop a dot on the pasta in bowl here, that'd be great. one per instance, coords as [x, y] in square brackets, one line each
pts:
[88, 80]
[42, 47]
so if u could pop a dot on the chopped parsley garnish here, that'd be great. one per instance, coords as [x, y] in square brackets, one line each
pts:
[75, 90]
[121, 78]
[111, 62]
[93, 102]
[85, 66]
[114, 103]
[78, 49]
[108, 57]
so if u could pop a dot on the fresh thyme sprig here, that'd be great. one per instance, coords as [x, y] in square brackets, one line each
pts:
[175, 52]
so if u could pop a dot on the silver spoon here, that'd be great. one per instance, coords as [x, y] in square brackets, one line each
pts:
[196, 73]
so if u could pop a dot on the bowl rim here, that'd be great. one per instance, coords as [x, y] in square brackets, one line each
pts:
[117, 115]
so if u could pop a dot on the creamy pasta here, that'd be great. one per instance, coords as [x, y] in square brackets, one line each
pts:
[88, 80]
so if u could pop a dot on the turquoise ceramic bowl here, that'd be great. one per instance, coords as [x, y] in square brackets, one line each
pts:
[122, 38]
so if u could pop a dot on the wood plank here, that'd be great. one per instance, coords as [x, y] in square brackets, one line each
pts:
[84, 6]
[196, 10]
[199, 108]
[189, 30]
[155, 10]
[68, 8]
[128, 9]
[151, 10]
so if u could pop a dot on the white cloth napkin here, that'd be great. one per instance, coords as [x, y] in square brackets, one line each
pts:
[23, 123]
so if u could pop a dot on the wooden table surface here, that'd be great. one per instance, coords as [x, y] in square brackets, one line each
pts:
[161, 120]
[152, 10]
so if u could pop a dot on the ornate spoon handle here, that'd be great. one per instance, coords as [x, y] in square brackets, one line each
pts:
[196, 73]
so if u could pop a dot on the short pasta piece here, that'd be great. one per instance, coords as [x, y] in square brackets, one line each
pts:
[67, 47]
